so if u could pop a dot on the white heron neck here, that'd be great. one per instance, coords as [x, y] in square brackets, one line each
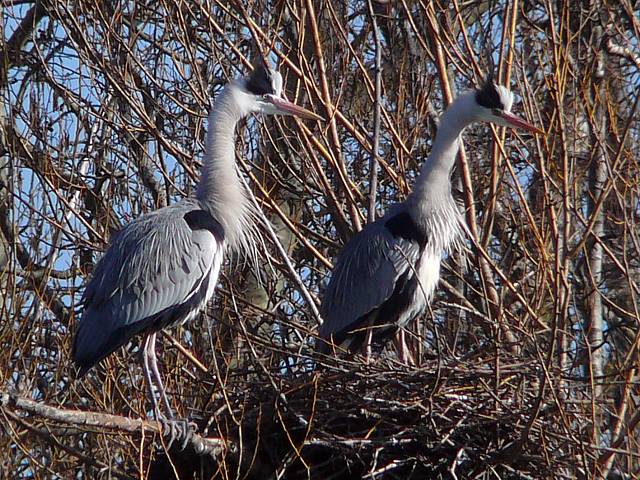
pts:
[433, 184]
[220, 190]
[431, 204]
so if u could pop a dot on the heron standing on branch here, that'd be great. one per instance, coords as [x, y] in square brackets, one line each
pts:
[162, 268]
[386, 275]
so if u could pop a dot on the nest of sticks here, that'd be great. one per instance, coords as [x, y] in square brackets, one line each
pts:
[450, 418]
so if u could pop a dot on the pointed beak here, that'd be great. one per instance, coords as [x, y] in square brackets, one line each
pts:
[285, 107]
[517, 122]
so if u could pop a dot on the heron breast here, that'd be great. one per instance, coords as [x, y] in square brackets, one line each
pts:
[427, 277]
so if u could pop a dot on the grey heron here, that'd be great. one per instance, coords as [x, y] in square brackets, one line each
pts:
[386, 275]
[162, 268]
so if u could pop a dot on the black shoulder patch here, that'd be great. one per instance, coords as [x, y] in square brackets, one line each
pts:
[488, 96]
[260, 82]
[202, 220]
[403, 226]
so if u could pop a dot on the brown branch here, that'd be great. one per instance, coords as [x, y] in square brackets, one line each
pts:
[373, 173]
[47, 436]
[11, 53]
[624, 52]
[108, 423]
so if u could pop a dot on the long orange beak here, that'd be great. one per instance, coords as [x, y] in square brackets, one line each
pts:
[288, 108]
[517, 122]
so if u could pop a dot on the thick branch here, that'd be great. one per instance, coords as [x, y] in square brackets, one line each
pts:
[214, 447]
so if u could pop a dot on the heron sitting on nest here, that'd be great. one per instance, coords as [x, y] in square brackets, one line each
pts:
[387, 273]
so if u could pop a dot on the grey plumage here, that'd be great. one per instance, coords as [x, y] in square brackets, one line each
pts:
[365, 277]
[386, 275]
[159, 271]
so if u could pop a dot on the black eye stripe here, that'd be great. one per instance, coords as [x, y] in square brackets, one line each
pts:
[489, 97]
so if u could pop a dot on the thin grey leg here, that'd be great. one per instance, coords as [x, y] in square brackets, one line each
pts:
[171, 429]
[153, 361]
[147, 377]
[368, 342]
[404, 353]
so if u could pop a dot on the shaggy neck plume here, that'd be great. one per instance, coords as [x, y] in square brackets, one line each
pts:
[220, 190]
[431, 204]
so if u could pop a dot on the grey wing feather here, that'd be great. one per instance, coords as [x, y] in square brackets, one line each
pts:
[365, 276]
[156, 262]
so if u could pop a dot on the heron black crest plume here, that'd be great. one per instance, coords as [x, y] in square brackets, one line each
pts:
[260, 81]
[488, 95]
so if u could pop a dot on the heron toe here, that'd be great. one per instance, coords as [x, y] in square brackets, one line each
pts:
[174, 430]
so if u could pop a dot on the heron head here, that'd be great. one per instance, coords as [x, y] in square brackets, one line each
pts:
[264, 88]
[494, 104]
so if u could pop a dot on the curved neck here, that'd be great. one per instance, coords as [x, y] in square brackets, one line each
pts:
[220, 190]
[434, 174]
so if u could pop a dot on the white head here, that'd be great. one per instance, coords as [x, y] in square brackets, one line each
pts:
[494, 103]
[261, 92]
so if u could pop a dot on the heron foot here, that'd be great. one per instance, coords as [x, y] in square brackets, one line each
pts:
[179, 431]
